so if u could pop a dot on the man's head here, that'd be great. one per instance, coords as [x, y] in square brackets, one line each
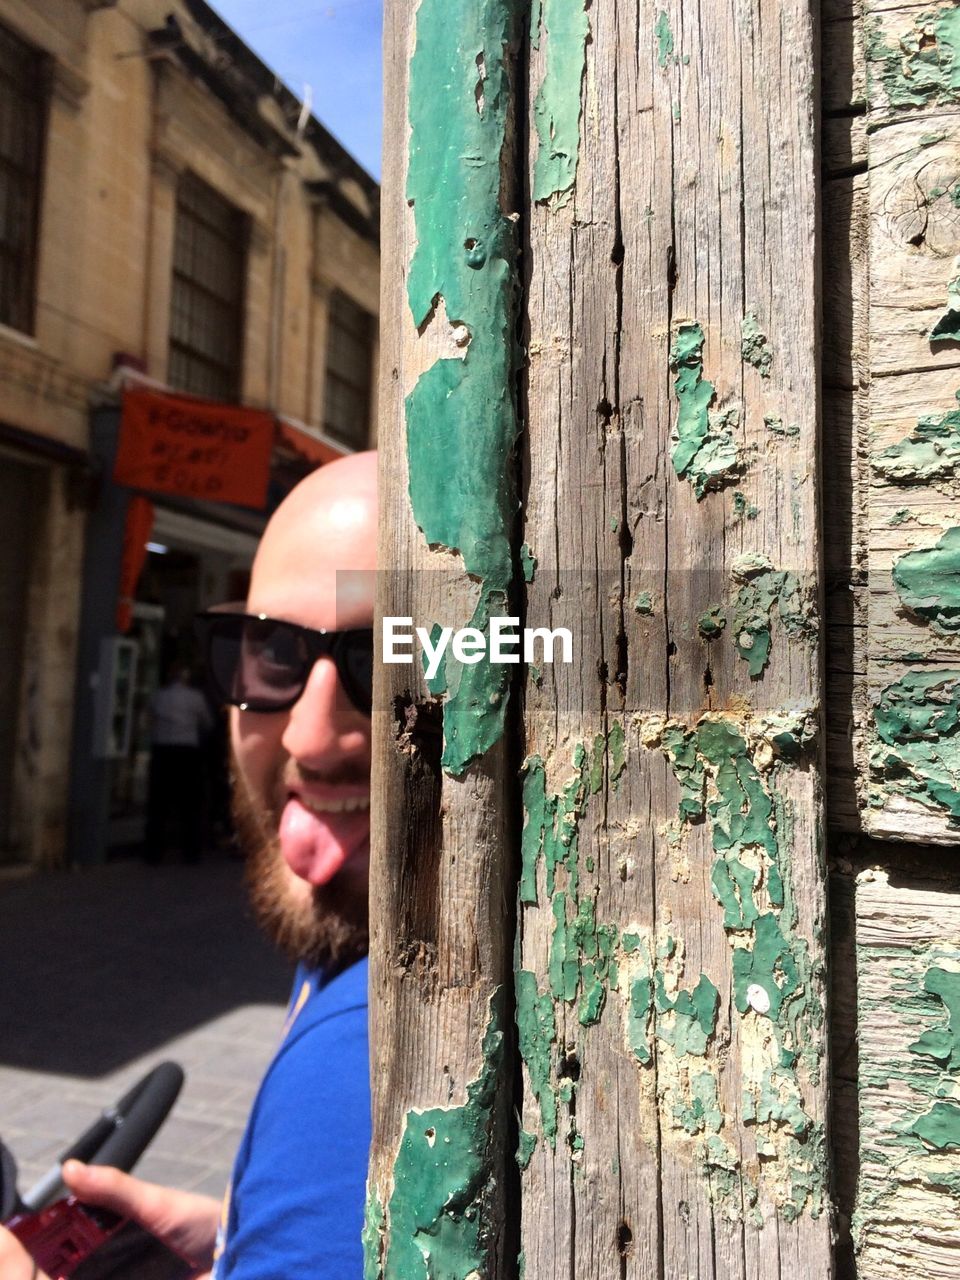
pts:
[302, 788]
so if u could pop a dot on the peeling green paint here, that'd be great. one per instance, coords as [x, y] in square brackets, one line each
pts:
[638, 1018]
[528, 563]
[940, 1126]
[741, 507]
[461, 417]
[930, 453]
[556, 109]
[443, 1176]
[918, 753]
[943, 1043]
[694, 1016]
[779, 427]
[374, 1226]
[764, 589]
[526, 1146]
[531, 839]
[664, 39]
[617, 747]
[928, 582]
[704, 449]
[755, 346]
[550, 829]
[924, 68]
[901, 516]
[711, 622]
[773, 977]
[643, 603]
[537, 1033]
[947, 328]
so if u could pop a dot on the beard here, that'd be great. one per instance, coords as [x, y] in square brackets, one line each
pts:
[324, 927]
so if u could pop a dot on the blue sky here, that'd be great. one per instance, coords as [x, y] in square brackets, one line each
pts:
[333, 47]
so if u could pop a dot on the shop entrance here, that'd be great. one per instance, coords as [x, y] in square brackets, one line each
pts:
[191, 565]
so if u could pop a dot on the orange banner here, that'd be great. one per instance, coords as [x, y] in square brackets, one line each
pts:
[195, 448]
[136, 532]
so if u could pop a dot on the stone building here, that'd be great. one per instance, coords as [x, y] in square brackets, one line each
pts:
[170, 217]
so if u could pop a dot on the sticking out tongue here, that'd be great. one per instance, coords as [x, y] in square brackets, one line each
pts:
[313, 847]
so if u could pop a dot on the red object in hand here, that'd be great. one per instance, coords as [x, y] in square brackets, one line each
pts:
[74, 1241]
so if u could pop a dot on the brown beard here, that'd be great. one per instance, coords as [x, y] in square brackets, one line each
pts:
[324, 927]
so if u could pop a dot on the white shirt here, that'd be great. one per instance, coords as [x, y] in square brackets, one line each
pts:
[180, 716]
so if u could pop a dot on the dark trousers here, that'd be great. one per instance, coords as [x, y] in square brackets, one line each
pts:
[175, 796]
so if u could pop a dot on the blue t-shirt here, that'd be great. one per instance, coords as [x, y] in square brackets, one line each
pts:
[295, 1204]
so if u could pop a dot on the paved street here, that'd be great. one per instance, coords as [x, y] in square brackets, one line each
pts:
[107, 972]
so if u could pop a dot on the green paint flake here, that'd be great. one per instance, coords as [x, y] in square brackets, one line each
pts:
[733, 885]
[374, 1224]
[617, 748]
[630, 942]
[940, 1126]
[741, 507]
[526, 1146]
[556, 109]
[638, 1018]
[664, 40]
[924, 67]
[943, 1043]
[461, 417]
[918, 753]
[901, 516]
[762, 590]
[779, 427]
[564, 964]
[694, 1016]
[754, 345]
[711, 622]
[444, 1176]
[770, 964]
[593, 998]
[928, 582]
[930, 453]
[704, 449]
[536, 1034]
[528, 563]
[947, 328]
[643, 603]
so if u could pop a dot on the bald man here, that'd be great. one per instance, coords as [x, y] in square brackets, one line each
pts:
[295, 663]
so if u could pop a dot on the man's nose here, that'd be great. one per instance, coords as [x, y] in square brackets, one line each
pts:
[324, 726]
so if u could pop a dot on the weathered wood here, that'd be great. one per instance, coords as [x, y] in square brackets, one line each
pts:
[694, 203]
[442, 850]
[907, 1221]
[914, 237]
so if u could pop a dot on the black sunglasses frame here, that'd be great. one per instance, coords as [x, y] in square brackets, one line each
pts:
[318, 643]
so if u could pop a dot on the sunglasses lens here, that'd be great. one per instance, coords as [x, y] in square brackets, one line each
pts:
[257, 663]
[355, 665]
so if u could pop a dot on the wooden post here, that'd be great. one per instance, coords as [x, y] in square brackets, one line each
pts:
[669, 1064]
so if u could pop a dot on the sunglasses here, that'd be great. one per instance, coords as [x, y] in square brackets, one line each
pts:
[258, 663]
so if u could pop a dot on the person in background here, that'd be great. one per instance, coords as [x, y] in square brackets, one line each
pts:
[180, 719]
[298, 657]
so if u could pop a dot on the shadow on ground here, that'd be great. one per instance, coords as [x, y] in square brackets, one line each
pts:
[104, 966]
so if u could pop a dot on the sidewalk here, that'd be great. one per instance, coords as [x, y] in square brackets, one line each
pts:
[105, 973]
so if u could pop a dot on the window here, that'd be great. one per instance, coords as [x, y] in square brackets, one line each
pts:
[23, 113]
[349, 361]
[206, 304]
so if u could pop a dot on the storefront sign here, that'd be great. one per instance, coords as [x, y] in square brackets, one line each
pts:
[195, 448]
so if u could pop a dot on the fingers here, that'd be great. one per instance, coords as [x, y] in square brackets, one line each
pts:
[15, 1262]
[112, 1189]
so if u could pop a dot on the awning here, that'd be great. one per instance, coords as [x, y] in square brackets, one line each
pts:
[308, 444]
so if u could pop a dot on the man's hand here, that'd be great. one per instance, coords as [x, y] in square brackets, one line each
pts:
[15, 1262]
[184, 1222]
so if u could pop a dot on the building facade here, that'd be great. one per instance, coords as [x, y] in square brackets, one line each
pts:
[169, 217]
